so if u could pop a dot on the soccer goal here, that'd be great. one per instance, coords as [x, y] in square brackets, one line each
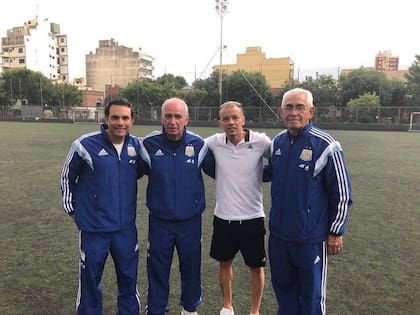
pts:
[87, 115]
[414, 121]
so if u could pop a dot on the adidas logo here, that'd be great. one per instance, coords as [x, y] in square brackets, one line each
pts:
[250, 147]
[317, 260]
[278, 152]
[159, 153]
[102, 152]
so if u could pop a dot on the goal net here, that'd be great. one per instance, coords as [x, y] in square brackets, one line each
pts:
[414, 121]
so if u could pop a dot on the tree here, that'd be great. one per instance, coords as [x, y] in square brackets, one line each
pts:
[362, 81]
[363, 108]
[4, 97]
[65, 95]
[36, 89]
[364, 100]
[398, 93]
[146, 93]
[193, 96]
[171, 81]
[210, 87]
[323, 88]
[413, 83]
[248, 88]
[26, 84]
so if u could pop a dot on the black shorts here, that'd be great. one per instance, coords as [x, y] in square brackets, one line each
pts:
[247, 236]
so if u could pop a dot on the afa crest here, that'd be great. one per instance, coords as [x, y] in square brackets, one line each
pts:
[189, 150]
[131, 151]
[306, 155]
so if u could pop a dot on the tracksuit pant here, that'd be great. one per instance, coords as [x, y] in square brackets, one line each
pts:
[164, 237]
[94, 249]
[298, 276]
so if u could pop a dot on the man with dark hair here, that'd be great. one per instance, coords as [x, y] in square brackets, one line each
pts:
[99, 191]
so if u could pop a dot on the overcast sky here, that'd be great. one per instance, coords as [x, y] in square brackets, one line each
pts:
[184, 36]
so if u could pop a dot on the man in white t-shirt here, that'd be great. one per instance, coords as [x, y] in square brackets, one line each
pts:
[239, 215]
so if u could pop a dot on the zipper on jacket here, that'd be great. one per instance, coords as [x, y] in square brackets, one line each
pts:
[287, 166]
[174, 183]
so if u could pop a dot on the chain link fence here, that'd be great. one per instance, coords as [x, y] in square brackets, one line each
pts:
[396, 116]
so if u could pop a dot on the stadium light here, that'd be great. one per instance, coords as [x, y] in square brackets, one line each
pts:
[221, 9]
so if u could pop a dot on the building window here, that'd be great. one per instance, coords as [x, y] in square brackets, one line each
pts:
[63, 50]
[20, 50]
[21, 60]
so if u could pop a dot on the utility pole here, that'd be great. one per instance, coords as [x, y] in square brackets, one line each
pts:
[221, 9]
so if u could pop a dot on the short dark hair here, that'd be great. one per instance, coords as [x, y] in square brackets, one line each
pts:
[120, 102]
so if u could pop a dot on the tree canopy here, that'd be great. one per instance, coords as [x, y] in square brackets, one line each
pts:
[413, 83]
[36, 89]
[251, 89]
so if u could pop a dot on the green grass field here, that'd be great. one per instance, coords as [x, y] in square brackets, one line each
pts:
[377, 273]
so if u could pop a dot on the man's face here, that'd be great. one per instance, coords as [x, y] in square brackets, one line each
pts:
[119, 122]
[232, 121]
[296, 113]
[174, 119]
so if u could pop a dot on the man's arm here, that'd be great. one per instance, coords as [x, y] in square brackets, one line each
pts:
[68, 182]
[267, 173]
[209, 164]
[339, 190]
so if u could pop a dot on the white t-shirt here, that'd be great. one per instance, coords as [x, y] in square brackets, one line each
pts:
[118, 147]
[239, 170]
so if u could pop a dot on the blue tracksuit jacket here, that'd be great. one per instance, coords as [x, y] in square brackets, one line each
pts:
[98, 186]
[175, 189]
[310, 188]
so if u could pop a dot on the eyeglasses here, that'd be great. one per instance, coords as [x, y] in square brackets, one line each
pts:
[297, 107]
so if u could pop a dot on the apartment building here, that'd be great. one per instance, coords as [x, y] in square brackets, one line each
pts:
[277, 71]
[38, 45]
[116, 65]
[385, 61]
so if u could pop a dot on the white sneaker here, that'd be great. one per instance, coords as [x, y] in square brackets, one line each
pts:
[185, 312]
[226, 311]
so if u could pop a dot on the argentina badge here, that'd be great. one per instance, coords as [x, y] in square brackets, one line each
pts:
[306, 155]
[131, 151]
[189, 150]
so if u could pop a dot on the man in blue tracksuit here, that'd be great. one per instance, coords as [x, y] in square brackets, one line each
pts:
[99, 191]
[310, 194]
[173, 159]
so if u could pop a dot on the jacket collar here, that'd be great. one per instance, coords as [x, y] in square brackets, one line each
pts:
[302, 132]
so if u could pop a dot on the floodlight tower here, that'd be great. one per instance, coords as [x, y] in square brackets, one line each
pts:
[221, 9]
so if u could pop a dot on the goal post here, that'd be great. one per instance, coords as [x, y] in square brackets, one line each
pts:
[414, 121]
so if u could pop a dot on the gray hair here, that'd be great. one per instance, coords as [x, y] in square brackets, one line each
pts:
[309, 97]
[175, 99]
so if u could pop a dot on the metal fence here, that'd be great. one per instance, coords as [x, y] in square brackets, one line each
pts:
[261, 115]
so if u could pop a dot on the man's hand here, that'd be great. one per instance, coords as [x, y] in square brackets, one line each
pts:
[334, 244]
